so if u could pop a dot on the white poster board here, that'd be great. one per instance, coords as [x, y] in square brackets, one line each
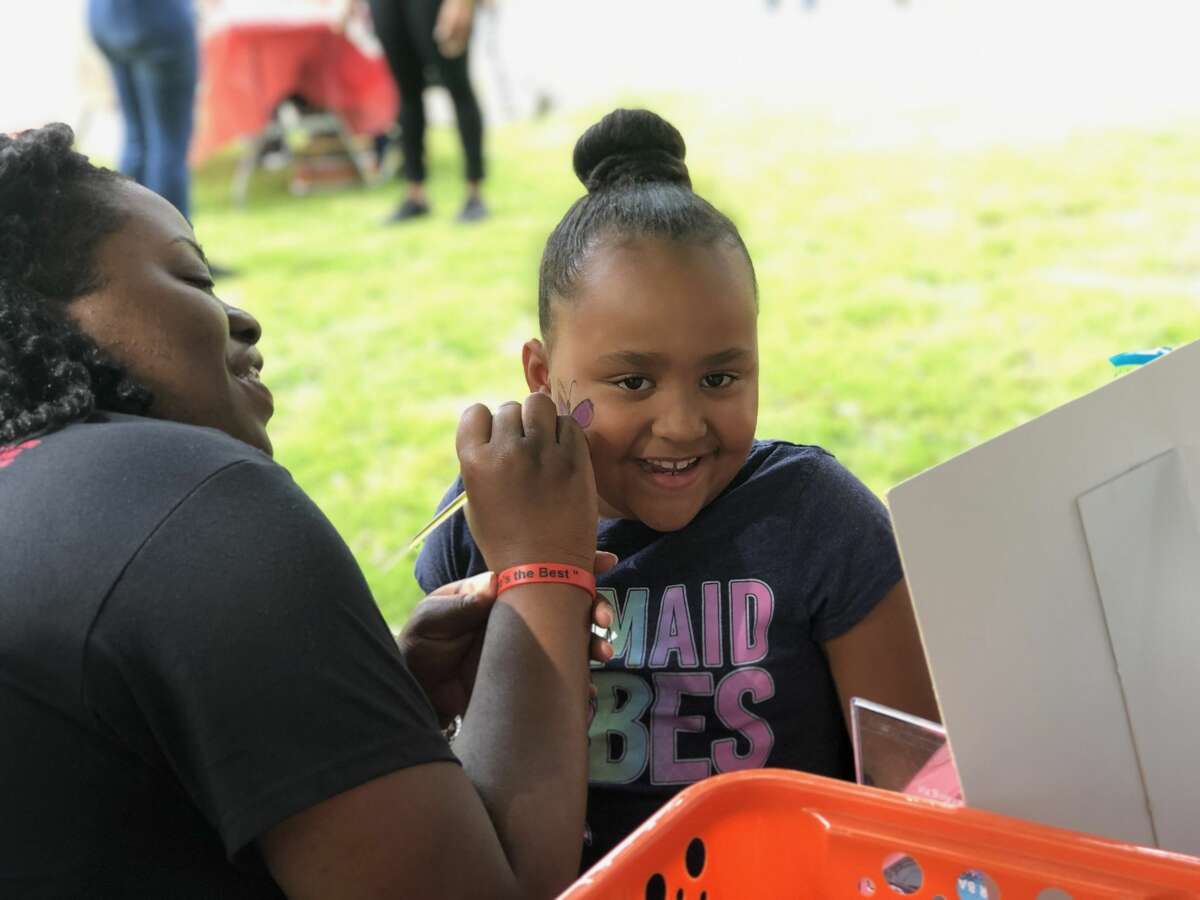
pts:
[1071, 692]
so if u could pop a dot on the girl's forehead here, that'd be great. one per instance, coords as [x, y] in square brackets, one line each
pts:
[682, 301]
[648, 263]
[667, 328]
[655, 279]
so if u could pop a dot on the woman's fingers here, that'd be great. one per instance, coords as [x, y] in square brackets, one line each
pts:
[532, 499]
[474, 428]
[600, 650]
[602, 612]
[506, 424]
[571, 436]
[447, 616]
[603, 615]
[539, 418]
[482, 587]
[604, 561]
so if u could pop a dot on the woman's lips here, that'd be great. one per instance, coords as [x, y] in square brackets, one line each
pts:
[251, 380]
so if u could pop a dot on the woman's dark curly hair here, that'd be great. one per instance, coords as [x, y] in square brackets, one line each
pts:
[631, 163]
[55, 209]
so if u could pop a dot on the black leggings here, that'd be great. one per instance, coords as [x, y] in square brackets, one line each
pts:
[405, 29]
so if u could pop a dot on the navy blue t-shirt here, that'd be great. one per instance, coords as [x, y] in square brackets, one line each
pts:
[719, 664]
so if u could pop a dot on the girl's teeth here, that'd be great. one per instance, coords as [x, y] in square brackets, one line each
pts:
[669, 465]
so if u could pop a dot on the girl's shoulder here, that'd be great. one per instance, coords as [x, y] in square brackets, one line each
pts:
[783, 470]
[783, 459]
[789, 450]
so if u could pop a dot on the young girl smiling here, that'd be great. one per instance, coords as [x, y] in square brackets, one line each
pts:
[759, 587]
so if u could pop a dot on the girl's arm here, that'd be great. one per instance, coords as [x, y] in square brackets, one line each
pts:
[882, 659]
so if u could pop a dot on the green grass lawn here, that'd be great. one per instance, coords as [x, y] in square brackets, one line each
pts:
[915, 301]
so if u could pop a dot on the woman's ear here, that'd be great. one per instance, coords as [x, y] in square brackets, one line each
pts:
[536, 362]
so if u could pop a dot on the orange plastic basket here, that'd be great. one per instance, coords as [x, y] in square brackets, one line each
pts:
[774, 833]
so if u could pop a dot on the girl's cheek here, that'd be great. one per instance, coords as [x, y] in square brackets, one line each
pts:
[603, 445]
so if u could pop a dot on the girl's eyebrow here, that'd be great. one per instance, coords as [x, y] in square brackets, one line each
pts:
[725, 357]
[632, 358]
[647, 360]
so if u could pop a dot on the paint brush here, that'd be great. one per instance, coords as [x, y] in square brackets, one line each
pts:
[450, 509]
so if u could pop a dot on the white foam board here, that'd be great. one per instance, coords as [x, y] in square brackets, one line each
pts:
[999, 567]
[1143, 534]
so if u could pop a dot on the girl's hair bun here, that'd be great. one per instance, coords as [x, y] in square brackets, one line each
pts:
[629, 147]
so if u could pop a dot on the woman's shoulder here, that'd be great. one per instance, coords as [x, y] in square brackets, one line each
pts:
[129, 442]
[116, 462]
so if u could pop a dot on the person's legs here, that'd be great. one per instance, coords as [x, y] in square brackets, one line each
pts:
[394, 25]
[133, 143]
[455, 74]
[107, 34]
[165, 83]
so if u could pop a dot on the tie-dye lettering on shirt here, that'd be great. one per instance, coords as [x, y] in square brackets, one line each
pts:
[683, 661]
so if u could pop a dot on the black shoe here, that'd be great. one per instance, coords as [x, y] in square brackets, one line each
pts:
[473, 211]
[407, 211]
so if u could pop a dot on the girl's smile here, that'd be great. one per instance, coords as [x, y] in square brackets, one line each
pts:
[673, 475]
[661, 337]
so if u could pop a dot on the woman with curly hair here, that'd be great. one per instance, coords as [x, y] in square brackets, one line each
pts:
[199, 696]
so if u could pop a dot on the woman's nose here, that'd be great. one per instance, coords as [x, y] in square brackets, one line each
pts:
[243, 326]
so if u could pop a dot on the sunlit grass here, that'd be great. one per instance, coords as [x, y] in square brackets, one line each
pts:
[915, 301]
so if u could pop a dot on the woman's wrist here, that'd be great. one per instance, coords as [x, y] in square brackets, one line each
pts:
[565, 574]
[522, 552]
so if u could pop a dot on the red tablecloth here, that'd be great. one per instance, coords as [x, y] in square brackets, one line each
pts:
[248, 69]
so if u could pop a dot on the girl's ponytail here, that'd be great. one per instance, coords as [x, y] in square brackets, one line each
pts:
[630, 147]
[631, 163]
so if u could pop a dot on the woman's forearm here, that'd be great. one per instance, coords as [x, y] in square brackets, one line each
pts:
[524, 736]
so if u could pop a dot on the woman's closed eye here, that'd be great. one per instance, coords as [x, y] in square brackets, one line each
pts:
[204, 282]
[718, 379]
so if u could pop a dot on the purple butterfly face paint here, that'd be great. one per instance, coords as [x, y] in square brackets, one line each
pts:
[583, 413]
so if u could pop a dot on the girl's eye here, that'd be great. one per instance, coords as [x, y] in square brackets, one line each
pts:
[634, 383]
[718, 379]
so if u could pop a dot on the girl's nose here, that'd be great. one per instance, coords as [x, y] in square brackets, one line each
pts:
[680, 420]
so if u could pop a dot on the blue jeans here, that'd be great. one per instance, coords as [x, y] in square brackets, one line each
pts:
[151, 49]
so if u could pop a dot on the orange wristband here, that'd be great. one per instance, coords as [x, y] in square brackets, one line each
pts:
[545, 573]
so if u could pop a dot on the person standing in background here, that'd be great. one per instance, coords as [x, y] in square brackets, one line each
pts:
[151, 48]
[421, 37]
